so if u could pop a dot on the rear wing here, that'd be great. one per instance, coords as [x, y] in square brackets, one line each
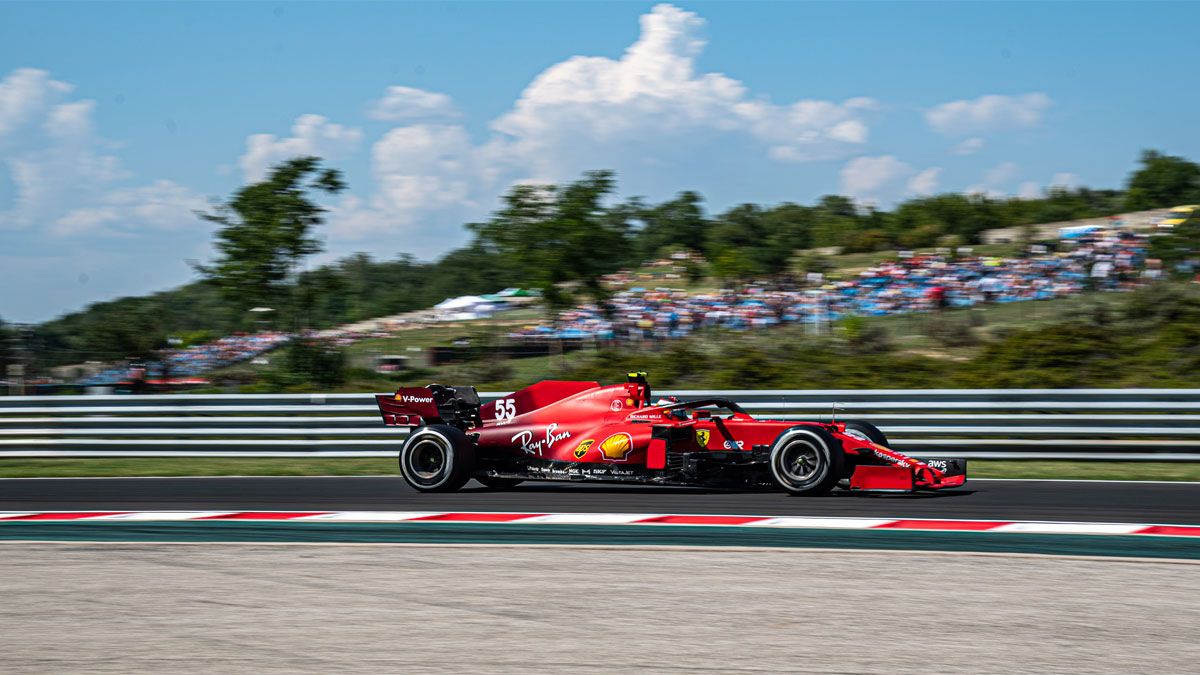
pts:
[408, 407]
[434, 404]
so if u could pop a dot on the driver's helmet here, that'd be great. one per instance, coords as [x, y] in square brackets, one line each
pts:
[667, 400]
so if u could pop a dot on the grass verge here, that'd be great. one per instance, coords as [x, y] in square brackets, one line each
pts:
[1180, 471]
[376, 466]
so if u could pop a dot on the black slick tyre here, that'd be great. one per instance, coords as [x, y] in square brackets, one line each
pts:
[437, 458]
[863, 431]
[806, 461]
[866, 431]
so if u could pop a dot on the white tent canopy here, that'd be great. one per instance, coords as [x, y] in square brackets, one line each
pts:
[464, 308]
[461, 302]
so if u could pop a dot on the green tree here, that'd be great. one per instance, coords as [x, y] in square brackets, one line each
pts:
[679, 222]
[833, 230]
[786, 229]
[837, 205]
[315, 361]
[7, 337]
[1180, 245]
[735, 264]
[736, 237]
[1163, 181]
[127, 328]
[266, 229]
[555, 238]
[835, 222]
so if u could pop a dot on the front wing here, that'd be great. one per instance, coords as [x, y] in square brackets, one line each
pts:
[902, 473]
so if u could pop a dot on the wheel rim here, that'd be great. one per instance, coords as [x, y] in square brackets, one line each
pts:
[427, 459]
[801, 462]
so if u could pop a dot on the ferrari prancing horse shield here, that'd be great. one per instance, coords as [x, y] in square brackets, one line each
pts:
[702, 437]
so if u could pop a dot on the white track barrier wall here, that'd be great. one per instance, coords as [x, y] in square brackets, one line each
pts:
[1112, 424]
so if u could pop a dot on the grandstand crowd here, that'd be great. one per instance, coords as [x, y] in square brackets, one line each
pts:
[194, 360]
[1105, 261]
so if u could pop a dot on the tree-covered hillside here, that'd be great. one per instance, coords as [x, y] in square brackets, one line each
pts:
[556, 238]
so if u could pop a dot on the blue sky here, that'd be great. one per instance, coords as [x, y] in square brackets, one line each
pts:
[118, 120]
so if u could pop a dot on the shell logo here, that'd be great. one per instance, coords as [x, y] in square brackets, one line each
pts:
[617, 447]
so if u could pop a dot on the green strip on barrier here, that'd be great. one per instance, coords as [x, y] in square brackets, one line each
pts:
[643, 535]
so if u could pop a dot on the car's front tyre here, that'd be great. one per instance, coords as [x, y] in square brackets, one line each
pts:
[866, 431]
[437, 458]
[863, 431]
[806, 461]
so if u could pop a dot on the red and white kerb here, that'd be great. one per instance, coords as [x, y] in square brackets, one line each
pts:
[643, 519]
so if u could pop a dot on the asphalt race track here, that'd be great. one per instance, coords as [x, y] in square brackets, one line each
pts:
[1082, 501]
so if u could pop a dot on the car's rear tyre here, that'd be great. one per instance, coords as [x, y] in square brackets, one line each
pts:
[437, 458]
[494, 483]
[806, 461]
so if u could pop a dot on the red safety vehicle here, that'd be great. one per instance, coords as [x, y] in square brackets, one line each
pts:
[582, 431]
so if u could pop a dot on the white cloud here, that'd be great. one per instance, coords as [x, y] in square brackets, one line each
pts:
[988, 113]
[53, 156]
[66, 180]
[653, 98]
[405, 103]
[74, 227]
[1029, 190]
[1066, 180]
[984, 191]
[25, 95]
[1001, 174]
[968, 146]
[641, 115]
[925, 182]
[1033, 190]
[70, 120]
[998, 182]
[159, 205]
[311, 135]
[419, 171]
[424, 166]
[870, 180]
[865, 178]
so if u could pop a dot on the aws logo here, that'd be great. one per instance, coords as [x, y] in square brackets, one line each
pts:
[617, 447]
[702, 436]
[583, 447]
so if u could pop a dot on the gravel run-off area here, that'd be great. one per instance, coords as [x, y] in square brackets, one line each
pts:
[219, 608]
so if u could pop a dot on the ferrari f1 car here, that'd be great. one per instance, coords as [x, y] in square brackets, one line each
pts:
[581, 431]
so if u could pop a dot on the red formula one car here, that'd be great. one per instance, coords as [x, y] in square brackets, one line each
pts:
[581, 431]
